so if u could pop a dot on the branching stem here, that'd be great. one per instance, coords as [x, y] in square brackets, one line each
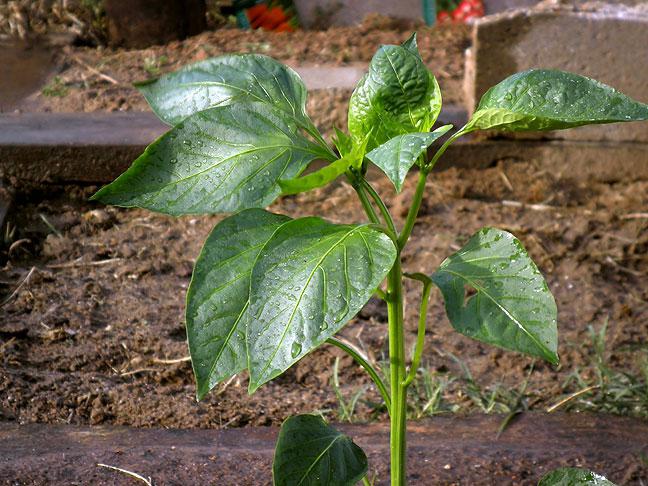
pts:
[356, 354]
[420, 338]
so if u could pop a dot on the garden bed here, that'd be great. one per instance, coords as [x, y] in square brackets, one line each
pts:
[86, 337]
[442, 451]
[92, 330]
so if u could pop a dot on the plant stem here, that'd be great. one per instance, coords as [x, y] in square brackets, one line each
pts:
[420, 338]
[362, 361]
[381, 206]
[463, 131]
[397, 374]
[413, 210]
[364, 200]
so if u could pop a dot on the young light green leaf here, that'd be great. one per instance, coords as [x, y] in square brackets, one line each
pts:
[398, 95]
[226, 80]
[544, 99]
[316, 179]
[223, 159]
[397, 156]
[573, 476]
[309, 280]
[219, 295]
[343, 142]
[311, 452]
[512, 308]
[411, 44]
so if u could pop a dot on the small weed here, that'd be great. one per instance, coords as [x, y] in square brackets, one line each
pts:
[153, 64]
[600, 388]
[346, 409]
[55, 88]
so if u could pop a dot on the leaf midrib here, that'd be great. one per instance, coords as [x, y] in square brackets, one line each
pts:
[301, 295]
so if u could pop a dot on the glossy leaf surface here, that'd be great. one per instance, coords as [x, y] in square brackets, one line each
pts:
[319, 178]
[572, 476]
[544, 99]
[223, 159]
[226, 80]
[398, 95]
[309, 280]
[309, 452]
[512, 307]
[219, 295]
[397, 156]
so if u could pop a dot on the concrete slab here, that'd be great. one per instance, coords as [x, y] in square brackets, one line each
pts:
[444, 450]
[329, 77]
[94, 148]
[605, 42]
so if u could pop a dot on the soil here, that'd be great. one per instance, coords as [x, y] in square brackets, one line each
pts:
[95, 334]
[84, 337]
[443, 451]
[79, 86]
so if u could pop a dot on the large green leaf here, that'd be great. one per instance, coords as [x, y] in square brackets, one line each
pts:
[544, 99]
[310, 452]
[226, 80]
[398, 95]
[309, 280]
[512, 308]
[219, 295]
[223, 159]
[572, 476]
[397, 156]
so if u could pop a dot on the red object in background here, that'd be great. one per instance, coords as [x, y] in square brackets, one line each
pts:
[274, 18]
[254, 12]
[443, 17]
[464, 11]
[284, 27]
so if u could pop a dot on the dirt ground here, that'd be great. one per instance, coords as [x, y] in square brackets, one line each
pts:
[91, 79]
[95, 335]
[85, 339]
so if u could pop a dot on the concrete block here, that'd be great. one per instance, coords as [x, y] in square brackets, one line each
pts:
[325, 13]
[602, 41]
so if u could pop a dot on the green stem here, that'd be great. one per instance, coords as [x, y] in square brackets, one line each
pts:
[381, 205]
[413, 210]
[420, 338]
[398, 414]
[312, 130]
[362, 361]
[463, 131]
[364, 200]
[365, 481]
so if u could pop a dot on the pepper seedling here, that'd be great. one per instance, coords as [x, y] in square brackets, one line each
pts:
[268, 289]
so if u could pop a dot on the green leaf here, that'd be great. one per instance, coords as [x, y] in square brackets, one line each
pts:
[222, 159]
[316, 179]
[226, 80]
[512, 308]
[343, 142]
[411, 44]
[219, 295]
[398, 95]
[572, 476]
[310, 452]
[544, 99]
[309, 280]
[397, 156]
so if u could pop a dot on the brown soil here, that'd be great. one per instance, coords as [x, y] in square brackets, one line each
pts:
[82, 339]
[443, 451]
[442, 48]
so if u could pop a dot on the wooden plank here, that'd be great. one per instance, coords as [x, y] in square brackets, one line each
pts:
[457, 450]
